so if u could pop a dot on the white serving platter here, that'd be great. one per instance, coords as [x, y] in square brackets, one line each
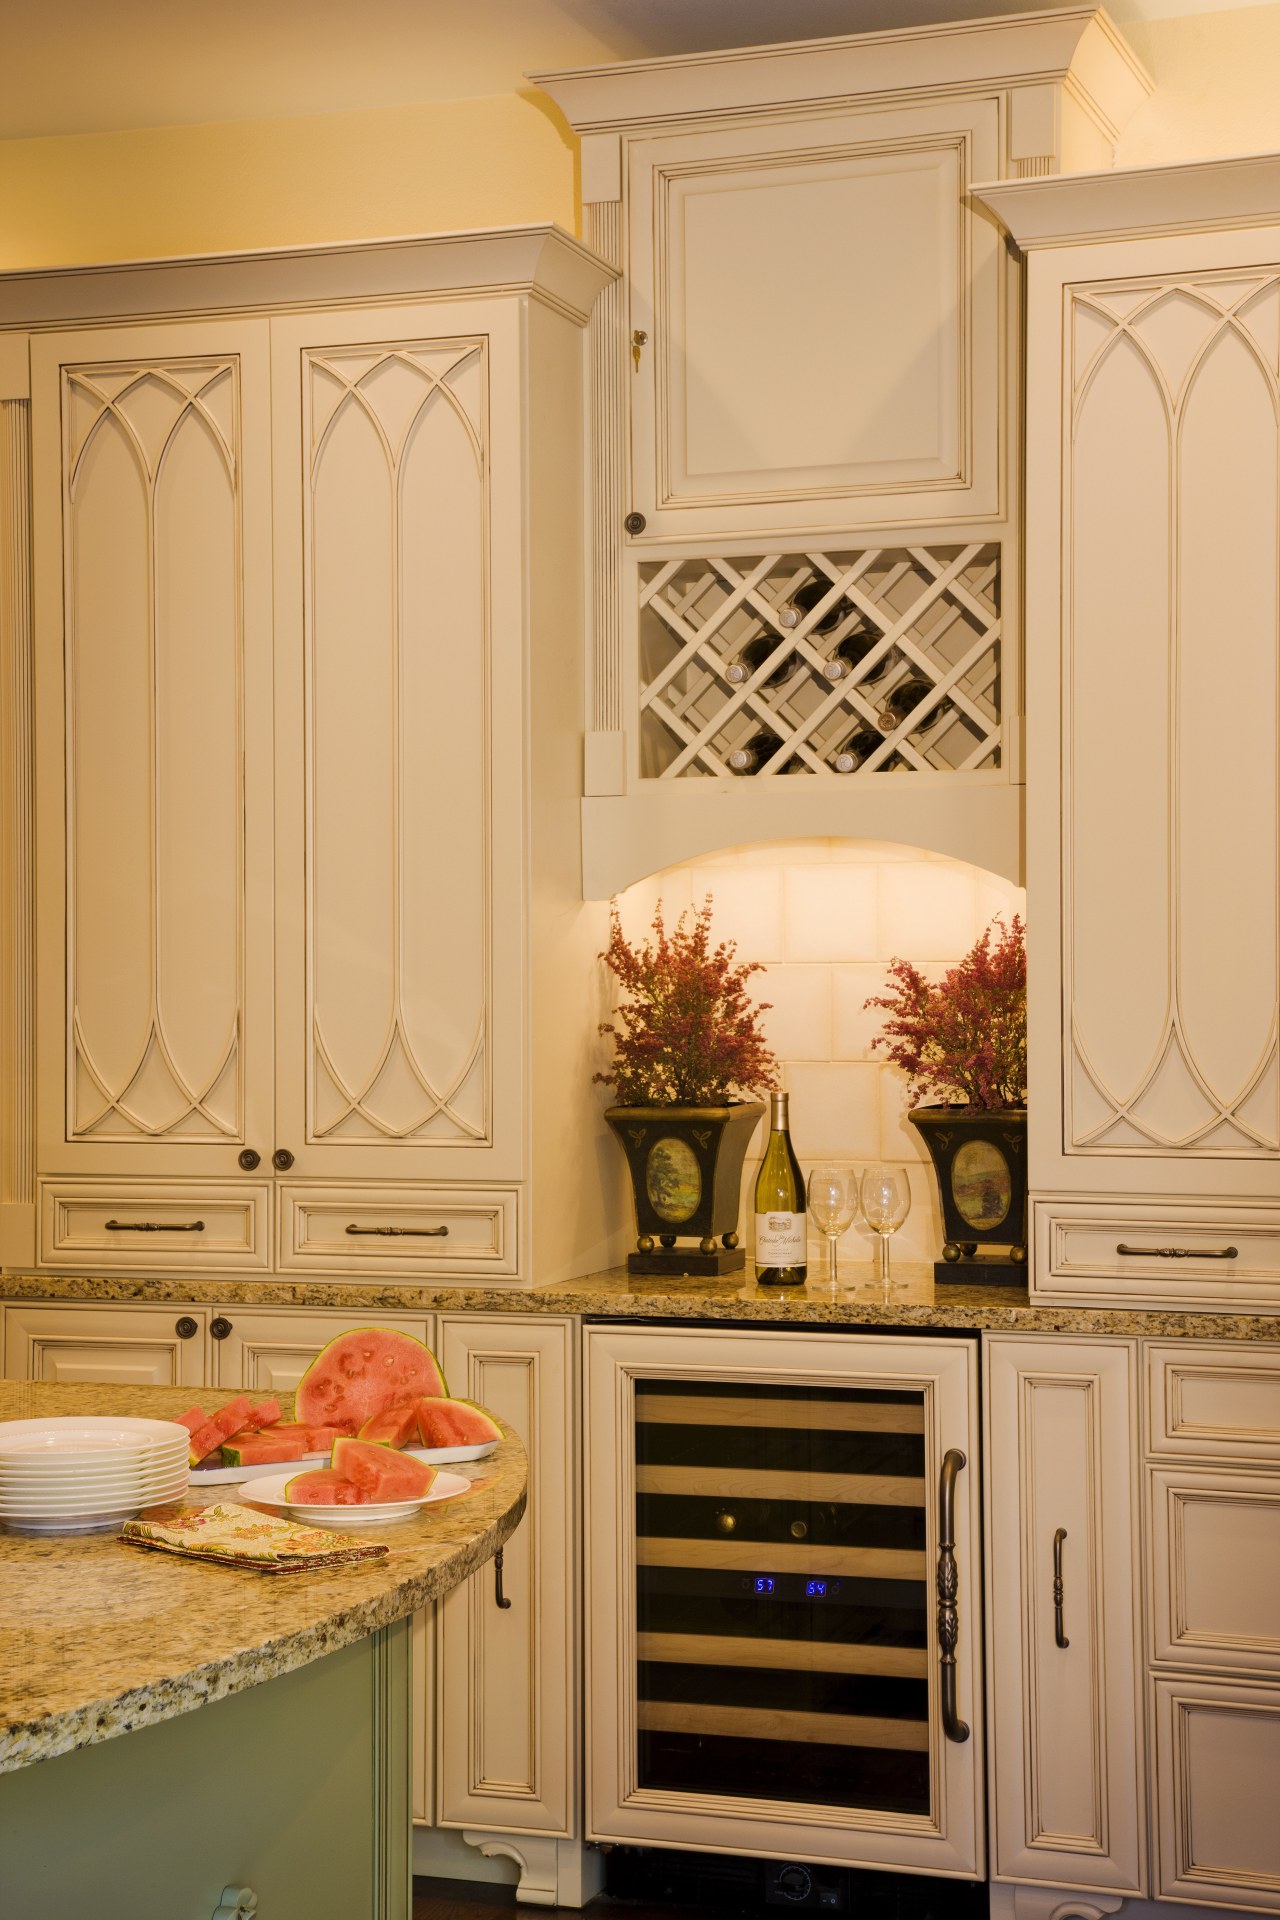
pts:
[270, 1493]
[434, 1456]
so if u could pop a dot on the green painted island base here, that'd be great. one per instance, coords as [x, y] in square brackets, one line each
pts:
[296, 1789]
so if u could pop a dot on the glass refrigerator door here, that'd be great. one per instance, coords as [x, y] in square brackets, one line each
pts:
[783, 1600]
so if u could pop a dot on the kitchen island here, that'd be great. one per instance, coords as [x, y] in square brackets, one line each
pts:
[290, 1784]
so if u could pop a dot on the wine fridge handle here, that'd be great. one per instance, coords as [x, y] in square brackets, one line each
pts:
[499, 1596]
[948, 1587]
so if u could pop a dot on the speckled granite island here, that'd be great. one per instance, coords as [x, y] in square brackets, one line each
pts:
[291, 1780]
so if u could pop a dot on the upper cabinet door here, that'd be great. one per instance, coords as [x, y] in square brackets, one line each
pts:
[821, 305]
[391, 632]
[153, 609]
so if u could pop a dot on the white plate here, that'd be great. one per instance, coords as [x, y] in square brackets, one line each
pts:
[118, 1468]
[270, 1493]
[87, 1437]
[84, 1523]
[434, 1456]
[73, 1504]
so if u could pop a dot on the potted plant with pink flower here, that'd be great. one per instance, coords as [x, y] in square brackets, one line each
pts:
[686, 1041]
[962, 1043]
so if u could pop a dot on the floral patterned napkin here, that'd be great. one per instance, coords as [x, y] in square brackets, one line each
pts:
[234, 1536]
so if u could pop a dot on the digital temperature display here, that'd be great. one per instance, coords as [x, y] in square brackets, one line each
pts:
[764, 1583]
[815, 1589]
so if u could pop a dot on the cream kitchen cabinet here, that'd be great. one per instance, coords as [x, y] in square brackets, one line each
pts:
[1213, 1491]
[302, 806]
[1153, 848]
[1065, 1672]
[129, 1345]
[508, 1651]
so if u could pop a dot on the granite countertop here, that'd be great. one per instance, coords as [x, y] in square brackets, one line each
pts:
[916, 1301]
[97, 1638]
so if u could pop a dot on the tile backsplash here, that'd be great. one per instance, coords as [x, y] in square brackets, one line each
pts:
[826, 917]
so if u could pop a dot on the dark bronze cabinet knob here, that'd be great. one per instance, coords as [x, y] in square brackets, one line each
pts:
[282, 1159]
[249, 1159]
[635, 523]
[220, 1328]
[186, 1328]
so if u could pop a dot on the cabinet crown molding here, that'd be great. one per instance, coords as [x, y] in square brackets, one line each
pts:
[1078, 48]
[541, 260]
[1136, 202]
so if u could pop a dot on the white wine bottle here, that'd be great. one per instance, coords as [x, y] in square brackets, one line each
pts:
[780, 1207]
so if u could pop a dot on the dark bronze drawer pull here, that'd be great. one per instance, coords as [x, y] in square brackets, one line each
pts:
[498, 1594]
[1059, 1635]
[220, 1328]
[948, 1588]
[155, 1226]
[1181, 1253]
[186, 1328]
[397, 1233]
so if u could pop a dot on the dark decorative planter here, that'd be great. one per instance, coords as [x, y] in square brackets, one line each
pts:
[686, 1173]
[980, 1159]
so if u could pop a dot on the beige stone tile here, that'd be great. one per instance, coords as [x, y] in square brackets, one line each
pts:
[853, 1026]
[834, 1111]
[798, 1022]
[899, 1140]
[832, 913]
[927, 912]
[746, 907]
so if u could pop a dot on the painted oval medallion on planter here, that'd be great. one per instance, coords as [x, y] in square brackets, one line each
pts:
[673, 1180]
[981, 1185]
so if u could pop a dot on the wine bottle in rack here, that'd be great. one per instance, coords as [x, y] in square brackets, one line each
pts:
[752, 655]
[756, 752]
[907, 695]
[804, 600]
[857, 748]
[850, 653]
[781, 1256]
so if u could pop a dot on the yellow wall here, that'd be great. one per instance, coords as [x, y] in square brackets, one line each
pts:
[489, 162]
[272, 183]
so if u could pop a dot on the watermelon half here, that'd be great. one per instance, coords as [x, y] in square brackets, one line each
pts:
[322, 1487]
[361, 1374]
[383, 1473]
[454, 1423]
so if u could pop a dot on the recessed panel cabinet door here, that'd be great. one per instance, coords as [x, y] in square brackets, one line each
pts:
[820, 309]
[128, 1346]
[393, 859]
[1063, 1661]
[153, 693]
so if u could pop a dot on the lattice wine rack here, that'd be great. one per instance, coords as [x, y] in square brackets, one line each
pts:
[842, 664]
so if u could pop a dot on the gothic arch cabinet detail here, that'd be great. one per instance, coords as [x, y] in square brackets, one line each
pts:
[1153, 683]
[288, 565]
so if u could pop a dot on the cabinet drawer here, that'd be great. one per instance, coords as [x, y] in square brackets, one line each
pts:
[128, 1346]
[361, 1229]
[181, 1226]
[1210, 1256]
[1219, 1402]
[1215, 1544]
[1217, 1837]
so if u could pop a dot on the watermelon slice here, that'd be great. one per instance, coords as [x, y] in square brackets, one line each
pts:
[396, 1427]
[454, 1423]
[362, 1373]
[192, 1421]
[383, 1473]
[314, 1439]
[322, 1487]
[265, 1414]
[252, 1449]
[208, 1438]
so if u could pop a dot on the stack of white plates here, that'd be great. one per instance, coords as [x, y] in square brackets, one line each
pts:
[87, 1474]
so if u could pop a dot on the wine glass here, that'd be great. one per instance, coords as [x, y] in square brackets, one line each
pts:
[886, 1202]
[833, 1203]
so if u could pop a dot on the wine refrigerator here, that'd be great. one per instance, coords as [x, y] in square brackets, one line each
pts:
[783, 1600]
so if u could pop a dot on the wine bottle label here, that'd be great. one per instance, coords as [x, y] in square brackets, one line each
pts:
[780, 1240]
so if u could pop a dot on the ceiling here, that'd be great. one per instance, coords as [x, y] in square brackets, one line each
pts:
[90, 66]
